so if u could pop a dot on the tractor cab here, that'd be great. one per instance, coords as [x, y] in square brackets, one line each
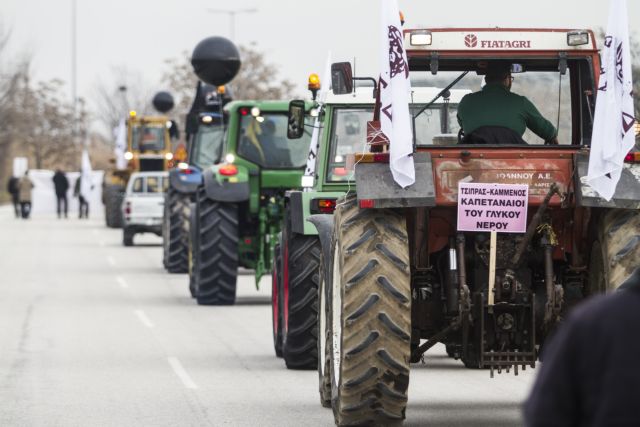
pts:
[149, 143]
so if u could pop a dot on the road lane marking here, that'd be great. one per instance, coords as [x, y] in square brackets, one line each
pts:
[123, 283]
[181, 373]
[143, 318]
[111, 261]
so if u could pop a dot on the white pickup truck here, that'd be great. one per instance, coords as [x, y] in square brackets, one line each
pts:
[143, 205]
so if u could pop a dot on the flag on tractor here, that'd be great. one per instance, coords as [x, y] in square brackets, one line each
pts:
[86, 184]
[613, 127]
[120, 134]
[395, 89]
[310, 170]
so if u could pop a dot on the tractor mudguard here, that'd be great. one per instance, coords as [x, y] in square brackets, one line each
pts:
[324, 225]
[225, 188]
[296, 212]
[375, 184]
[627, 195]
[183, 182]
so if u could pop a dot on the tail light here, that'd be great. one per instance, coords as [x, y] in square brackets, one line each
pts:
[127, 208]
[367, 204]
[186, 171]
[325, 206]
[632, 157]
[228, 170]
[372, 158]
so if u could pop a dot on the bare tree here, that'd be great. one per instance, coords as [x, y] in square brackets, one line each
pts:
[126, 91]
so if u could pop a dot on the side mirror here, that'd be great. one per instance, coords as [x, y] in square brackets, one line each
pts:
[295, 127]
[341, 78]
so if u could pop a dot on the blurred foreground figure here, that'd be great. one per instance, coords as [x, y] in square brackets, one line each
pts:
[24, 194]
[590, 373]
[12, 188]
[61, 184]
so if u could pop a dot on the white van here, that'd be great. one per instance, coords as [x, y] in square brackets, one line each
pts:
[143, 205]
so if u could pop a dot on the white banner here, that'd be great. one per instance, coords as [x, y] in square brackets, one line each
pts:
[43, 195]
[120, 134]
[86, 184]
[395, 89]
[614, 119]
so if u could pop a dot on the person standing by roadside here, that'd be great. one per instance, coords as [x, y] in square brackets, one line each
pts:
[12, 188]
[61, 184]
[83, 204]
[24, 195]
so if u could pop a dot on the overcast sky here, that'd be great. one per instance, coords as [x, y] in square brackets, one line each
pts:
[295, 34]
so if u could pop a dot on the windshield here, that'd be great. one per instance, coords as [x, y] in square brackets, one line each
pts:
[546, 89]
[349, 132]
[263, 140]
[146, 138]
[207, 145]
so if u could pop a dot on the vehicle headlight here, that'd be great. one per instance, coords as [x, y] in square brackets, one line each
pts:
[128, 155]
[229, 158]
[168, 156]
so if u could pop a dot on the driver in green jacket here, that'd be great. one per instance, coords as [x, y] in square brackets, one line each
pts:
[496, 106]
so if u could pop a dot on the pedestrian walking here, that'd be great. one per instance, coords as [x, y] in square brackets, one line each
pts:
[83, 203]
[25, 185]
[61, 184]
[589, 374]
[12, 188]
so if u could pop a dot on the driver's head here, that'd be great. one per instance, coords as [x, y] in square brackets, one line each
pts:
[269, 128]
[499, 72]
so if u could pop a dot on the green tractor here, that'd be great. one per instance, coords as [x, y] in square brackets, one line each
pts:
[217, 59]
[240, 205]
[343, 119]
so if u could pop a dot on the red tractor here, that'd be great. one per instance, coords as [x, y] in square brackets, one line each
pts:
[399, 272]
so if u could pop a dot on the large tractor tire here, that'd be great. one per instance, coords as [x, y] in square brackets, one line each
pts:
[615, 253]
[276, 298]
[217, 254]
[176, 227]
[192, 248]
[301, 258]
[370, 316]
[324, 337]
[114, 195]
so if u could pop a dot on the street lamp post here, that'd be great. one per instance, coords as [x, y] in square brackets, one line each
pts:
[232, 15]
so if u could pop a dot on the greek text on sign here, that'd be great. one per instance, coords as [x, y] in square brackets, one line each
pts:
[492, 207]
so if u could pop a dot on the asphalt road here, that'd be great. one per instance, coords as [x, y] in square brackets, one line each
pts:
[96, 334]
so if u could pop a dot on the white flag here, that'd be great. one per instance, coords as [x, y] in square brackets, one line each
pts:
[310, 170]
[395, 88]
[613, 134]
[120, 134]
[86, 184]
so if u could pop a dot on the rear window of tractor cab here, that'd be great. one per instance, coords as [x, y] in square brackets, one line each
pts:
[263, 141]
[348, 132]
[566, 100]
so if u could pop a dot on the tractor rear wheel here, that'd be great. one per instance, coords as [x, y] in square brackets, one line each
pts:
[615, 253]
[177, 228]
[371, 316]
[113, 197]
[276, 297]
[192, 248]
[300, 341]
[324, 337]
[217, 254]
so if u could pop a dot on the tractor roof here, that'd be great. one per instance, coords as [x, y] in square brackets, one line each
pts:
[477, 40]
